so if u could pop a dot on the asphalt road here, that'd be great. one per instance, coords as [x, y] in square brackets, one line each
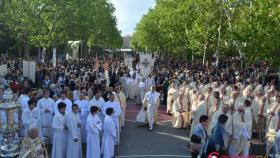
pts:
[163, 142]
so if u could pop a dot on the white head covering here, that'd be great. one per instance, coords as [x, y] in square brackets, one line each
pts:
[259, 89]
[247, 90]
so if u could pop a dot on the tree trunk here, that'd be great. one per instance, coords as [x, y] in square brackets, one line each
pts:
[204, 55]
[26, 50]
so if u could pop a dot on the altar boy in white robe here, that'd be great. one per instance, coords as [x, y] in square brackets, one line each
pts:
[94, 127]
[83, 105]
[45, 106]
[117, 112]
[31, 118]
[109, 135]
[74, 142]
[59, 146]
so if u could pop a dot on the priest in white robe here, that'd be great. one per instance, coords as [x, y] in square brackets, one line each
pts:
[117, 113]
[129, 88]
[172, 95]
[46, 107]
[59, 147]
[109, 135]
[228, 126]
[141, 91]
[273, 128]
[272, 110]
[260, 107]
[32, 146]
[94, 127]
[31, 118]
[84, 106]
[121, 99]
[242, 131]
[64, 100]
[152, 102]
[197, 111]
[184, 91]
[215, 105]
[180, 114]
[74, 141]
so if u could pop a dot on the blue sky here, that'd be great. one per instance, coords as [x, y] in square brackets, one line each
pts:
[129, 13]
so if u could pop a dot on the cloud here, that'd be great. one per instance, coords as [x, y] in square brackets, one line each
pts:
[129, 13]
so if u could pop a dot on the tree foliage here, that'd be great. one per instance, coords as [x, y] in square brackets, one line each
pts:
[221, 27]
[45, 23]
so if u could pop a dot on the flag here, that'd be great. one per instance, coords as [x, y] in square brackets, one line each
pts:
[96, 63]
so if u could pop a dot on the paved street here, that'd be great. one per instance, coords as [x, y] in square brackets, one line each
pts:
[164, 141]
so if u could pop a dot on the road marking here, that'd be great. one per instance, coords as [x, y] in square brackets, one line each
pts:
[174, 136]
[154, 156]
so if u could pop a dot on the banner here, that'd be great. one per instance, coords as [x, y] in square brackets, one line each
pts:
[74, 45]
[3, 70]
[54, 57]
[29, 68]
[146, 64]
[128, 62]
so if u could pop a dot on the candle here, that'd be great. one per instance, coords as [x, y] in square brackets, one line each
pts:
[10, 118]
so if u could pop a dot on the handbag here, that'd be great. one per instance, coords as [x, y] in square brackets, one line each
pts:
[195, 144]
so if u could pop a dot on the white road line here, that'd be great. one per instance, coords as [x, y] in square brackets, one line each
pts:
[175, 136]
[154, 156]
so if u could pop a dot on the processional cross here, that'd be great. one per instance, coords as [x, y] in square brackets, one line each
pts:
[145, 63]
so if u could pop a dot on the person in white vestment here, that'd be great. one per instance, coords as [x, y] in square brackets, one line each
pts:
[215, 105]
[74, 141]
[31, 118]
[117, 112]
[152, 102]
[172, 95]
[260, 108]
[228, 125]
[32, 147]
[46, 106]
[180, 113]
[23, 99]
[98, 101]
[109, 135]
[197, 111]
[149, 82]
[94, 127]
[84, 106]
[242, 130]
[121, 99]
[64, 100]
[59, 147]
[273, 109]
[141, 91]
[129, 88]
[273, 128]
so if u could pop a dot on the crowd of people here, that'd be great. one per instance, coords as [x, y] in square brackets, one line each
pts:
[224, 106]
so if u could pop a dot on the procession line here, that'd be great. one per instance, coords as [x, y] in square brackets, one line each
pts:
[154, 156]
